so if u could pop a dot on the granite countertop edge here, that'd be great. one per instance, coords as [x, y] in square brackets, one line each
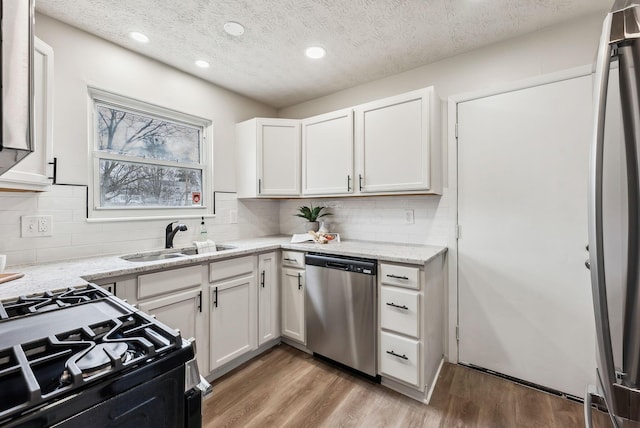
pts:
[70, 273]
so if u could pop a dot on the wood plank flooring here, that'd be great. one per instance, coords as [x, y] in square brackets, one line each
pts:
[288, 388]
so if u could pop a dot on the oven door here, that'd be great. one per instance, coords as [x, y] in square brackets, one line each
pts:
[158, 403]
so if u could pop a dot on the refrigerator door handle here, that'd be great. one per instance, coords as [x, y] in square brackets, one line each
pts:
[596, 255]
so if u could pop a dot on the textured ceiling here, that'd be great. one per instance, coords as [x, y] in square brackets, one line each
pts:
[365, 39]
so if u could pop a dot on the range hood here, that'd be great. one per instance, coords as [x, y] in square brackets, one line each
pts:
[17, 107]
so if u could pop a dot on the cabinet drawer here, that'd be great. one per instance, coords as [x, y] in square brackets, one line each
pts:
[293, 259]
[400, 310]
[219, 271]
[402, 276]
[154, 284]
[399, 358]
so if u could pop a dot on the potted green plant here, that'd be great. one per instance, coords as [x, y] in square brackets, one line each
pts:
[311, 214]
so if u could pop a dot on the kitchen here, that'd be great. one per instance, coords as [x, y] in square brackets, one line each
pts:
[82, 61]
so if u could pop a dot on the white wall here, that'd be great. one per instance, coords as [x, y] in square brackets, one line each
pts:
[80, 60]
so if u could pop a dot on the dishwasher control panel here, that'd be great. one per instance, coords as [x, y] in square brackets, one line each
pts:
[347, 264]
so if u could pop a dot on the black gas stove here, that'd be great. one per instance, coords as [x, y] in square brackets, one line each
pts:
[82, 357]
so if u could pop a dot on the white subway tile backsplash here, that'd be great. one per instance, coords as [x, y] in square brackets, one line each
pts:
[10, 202]
[362, 218]
[378, 218]
[73, 237]
[21, 257]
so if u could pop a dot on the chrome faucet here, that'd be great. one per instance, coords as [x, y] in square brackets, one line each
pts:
[170, 232]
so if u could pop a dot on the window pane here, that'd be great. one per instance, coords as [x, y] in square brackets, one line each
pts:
[134, 134]
[129, 184]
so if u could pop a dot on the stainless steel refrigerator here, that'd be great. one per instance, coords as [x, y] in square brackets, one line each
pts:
[614, 221]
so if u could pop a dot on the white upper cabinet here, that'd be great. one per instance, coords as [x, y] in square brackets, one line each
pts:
[32, 173]
[268, 158]
[327, 154]
[396, 146]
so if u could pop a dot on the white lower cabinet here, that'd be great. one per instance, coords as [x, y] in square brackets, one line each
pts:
[293, 324]
[400, 358]
[411, 323]
[400, 310]
[268, 298]
[234, 308]
[174, 297]
[181, 311]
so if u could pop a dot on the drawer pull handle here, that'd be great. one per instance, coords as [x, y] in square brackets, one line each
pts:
[299, 281]
[291, 260]
[397, 306]
[215, 298]
[403, 356]
[397, 277]
[200, 301]
[262, 279]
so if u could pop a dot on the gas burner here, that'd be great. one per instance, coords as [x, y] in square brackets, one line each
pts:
[49, 300]
[100, 358]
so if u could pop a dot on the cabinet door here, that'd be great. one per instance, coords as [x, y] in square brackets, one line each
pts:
[268, 298]
[393, 143]
[233, 319]
[181, 311]
[293, 325]
[327, 153]
[278, 157]
[32, 172]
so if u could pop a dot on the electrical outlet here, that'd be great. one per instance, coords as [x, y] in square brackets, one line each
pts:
[36, 225]
[233, 216]
[408, 217]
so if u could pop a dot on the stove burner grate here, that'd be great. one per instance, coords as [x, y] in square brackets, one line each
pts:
[49, 300]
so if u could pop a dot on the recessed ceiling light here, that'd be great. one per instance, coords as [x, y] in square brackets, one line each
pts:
[315, 52]
[234, 28]
[139, 37]
[202, 63]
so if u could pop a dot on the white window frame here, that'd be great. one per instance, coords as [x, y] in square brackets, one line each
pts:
[94, 211]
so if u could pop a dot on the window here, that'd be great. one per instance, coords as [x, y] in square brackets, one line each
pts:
[148, 161]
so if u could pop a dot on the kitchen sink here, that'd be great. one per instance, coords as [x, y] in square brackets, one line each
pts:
[169, 254]
[152, 257]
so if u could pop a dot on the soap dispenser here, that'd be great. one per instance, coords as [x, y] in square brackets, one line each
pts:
[203, 230]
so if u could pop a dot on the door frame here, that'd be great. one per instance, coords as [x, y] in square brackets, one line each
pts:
[451, 342]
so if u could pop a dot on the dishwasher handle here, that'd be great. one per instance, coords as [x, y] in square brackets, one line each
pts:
[336, 265]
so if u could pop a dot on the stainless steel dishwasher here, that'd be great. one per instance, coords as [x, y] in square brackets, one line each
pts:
[340, 310]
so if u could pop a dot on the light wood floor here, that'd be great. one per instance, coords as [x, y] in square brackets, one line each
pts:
[286, 387]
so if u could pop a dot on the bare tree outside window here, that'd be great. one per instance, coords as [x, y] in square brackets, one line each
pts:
[162, 167]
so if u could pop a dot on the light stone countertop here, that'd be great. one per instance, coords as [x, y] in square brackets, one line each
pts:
[59, 275]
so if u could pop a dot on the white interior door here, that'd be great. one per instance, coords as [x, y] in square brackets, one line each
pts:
[524, 293]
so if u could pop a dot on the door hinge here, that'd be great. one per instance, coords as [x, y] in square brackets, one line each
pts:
[457, 333]
[457, 231]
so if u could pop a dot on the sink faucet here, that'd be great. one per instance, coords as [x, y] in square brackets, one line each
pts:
[170, 232]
